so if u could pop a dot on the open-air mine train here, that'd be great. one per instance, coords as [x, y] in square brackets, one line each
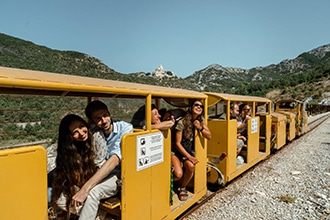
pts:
[146, 191]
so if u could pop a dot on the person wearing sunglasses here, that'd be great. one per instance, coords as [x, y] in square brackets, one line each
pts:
[240, 139]
[244, 116]
[183, 148]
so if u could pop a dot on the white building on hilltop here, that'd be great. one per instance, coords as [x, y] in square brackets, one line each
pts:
[161, 72]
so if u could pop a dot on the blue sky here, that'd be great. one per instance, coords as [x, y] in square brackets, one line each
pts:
[182, 35]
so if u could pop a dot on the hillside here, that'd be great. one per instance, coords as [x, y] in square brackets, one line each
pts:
[305, 76]
[22, 54]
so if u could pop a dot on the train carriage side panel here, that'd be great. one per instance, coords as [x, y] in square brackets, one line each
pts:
[200, 168]
[304, 118]
[223, 141]
[291, 124]
[231, 149]
[252, 153]
[278, 130]
[253, 139]
[143, 185]
[23, 184]
[216, 146]
[146, 189]
[298, 108]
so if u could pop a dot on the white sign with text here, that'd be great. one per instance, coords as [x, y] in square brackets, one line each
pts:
[254, 125]
[150, 150]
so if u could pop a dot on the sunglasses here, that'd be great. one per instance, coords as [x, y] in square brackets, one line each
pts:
[247, 109]
[198, 105]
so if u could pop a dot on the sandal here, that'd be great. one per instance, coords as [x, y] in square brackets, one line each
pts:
[183, 194]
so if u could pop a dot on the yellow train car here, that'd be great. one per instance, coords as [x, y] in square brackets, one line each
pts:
[278, 137]
[224, 135]
[146, 189]
[290, 124]
[298, 108]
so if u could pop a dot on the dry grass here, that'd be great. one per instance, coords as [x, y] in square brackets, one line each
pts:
[287, 198]
[273, 95]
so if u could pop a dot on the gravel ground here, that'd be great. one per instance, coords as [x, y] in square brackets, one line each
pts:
[293, 184]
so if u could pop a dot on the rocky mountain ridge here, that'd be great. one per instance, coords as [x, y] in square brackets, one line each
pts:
[214, 73]
[284, 67]
[289, 77]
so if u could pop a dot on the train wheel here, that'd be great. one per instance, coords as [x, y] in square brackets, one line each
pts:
[273, 149]
[220, 180]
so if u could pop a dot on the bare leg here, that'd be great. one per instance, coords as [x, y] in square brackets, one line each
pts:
[177, 168]
[189, 168]
[188, 173]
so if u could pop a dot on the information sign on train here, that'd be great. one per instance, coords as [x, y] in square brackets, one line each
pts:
[254, 125]
[150, 150]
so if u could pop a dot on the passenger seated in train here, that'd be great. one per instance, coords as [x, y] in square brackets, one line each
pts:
[138, 120]
[105, 183]
[234, 114]
[82, 176]
[183, 151]
[244, 116]
[74, 163]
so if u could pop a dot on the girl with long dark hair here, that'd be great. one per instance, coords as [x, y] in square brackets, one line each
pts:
[74, 162]
[184, 151]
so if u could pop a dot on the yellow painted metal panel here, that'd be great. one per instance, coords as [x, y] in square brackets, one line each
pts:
[135, 185]
[291, 134]
[160, 183]
[216, 146]
[279, 120]
[200, 168]
[268, 132]
[253, 141]
[23, 184]
[281, 134]
[305, 121]
[231, 148]
[146, 192]
[218, 142]
[291, 124]
[44, 82]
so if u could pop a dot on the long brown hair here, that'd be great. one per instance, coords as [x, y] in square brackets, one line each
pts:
[74, 162]
[188, 121]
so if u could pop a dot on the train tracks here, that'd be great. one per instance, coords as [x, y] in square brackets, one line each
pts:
[313, 123]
